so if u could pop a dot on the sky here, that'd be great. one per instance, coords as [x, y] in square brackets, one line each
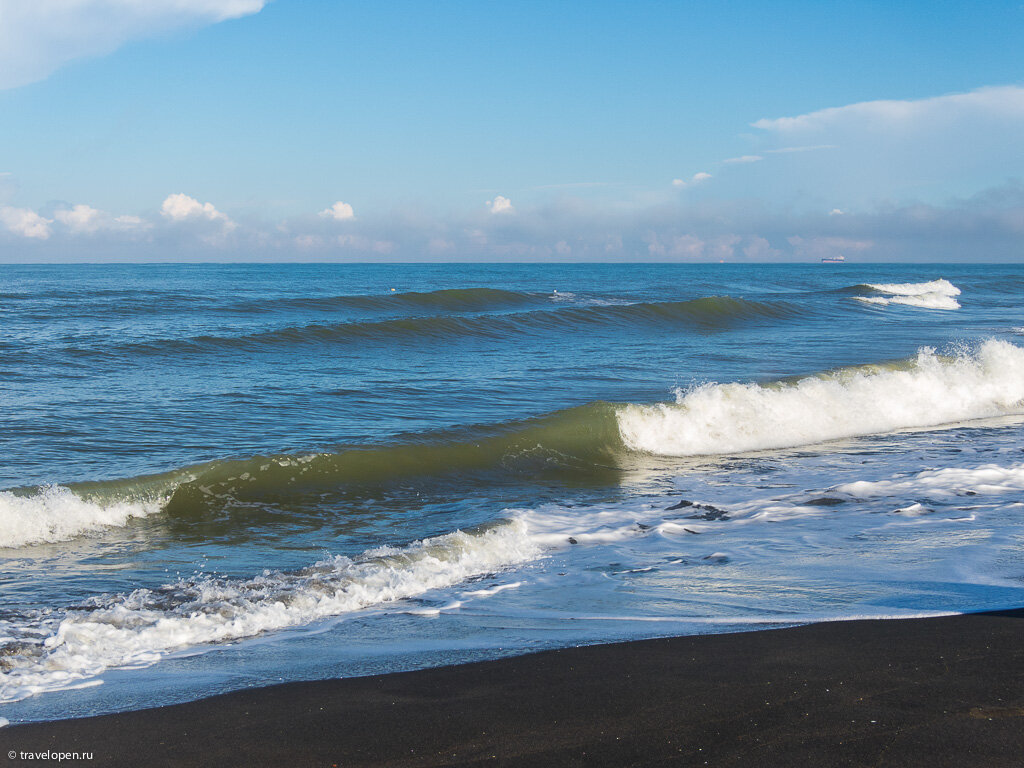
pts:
[398, 130]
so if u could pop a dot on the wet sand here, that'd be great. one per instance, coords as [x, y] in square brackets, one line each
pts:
[919, 692]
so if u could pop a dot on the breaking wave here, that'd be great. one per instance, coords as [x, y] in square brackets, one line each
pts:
[941, 286]
[929, 391]
[577, 440]
[139, 628]
[595, 441]
[58, 514]
[935, 294]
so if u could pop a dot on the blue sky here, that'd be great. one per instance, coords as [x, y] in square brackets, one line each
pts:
[229, 129]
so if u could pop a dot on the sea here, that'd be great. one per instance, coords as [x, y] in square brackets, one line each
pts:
[224, 476]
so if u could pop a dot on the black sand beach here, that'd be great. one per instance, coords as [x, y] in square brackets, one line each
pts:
[921, 692]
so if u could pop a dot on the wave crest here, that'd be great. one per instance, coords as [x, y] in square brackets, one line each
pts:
[934, 294]
[55, 514]
[930, 391]
[941, 286]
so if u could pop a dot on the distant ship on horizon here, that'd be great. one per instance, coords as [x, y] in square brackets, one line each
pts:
[833, 259]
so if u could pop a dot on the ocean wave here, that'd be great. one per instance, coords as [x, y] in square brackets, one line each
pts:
[922, 300]
[710, 313]
[55, 513]
[931, 390]
[444, 300]
[142, 627]
[578, 440]
[934, 294]
[595, 441]
[940, 286]
[130, 302]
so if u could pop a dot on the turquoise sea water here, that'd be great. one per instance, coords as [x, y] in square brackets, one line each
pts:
[220, 476]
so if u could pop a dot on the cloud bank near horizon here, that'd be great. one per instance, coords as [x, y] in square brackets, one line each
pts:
[986, 227]
[38, 37]
[745, 211]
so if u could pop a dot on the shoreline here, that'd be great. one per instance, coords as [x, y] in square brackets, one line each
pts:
[903, 692]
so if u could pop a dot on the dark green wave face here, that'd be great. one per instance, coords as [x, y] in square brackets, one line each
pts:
[571, 445]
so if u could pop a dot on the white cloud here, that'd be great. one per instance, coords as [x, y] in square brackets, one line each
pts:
[84, 219]
[180, 207]
[339, 212]
[835, 212]
[500, 205]
[902, 115]
[897, 151]
[80, 218]
[25, 222]
[744, 159]
[38, 36]
[130, 222]
[697, 178]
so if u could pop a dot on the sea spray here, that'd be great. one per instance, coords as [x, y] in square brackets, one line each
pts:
[931, 391]
[935, 294]
[54, 514]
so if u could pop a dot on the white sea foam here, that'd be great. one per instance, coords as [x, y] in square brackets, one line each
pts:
[922, 300]
[935, 294]
[55, 513]
[140, 628]
[943, 483]
[943, 287]
[492, 590]
[931, 391]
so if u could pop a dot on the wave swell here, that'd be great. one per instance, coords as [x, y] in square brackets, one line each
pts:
[710, 313]
[445, 300]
